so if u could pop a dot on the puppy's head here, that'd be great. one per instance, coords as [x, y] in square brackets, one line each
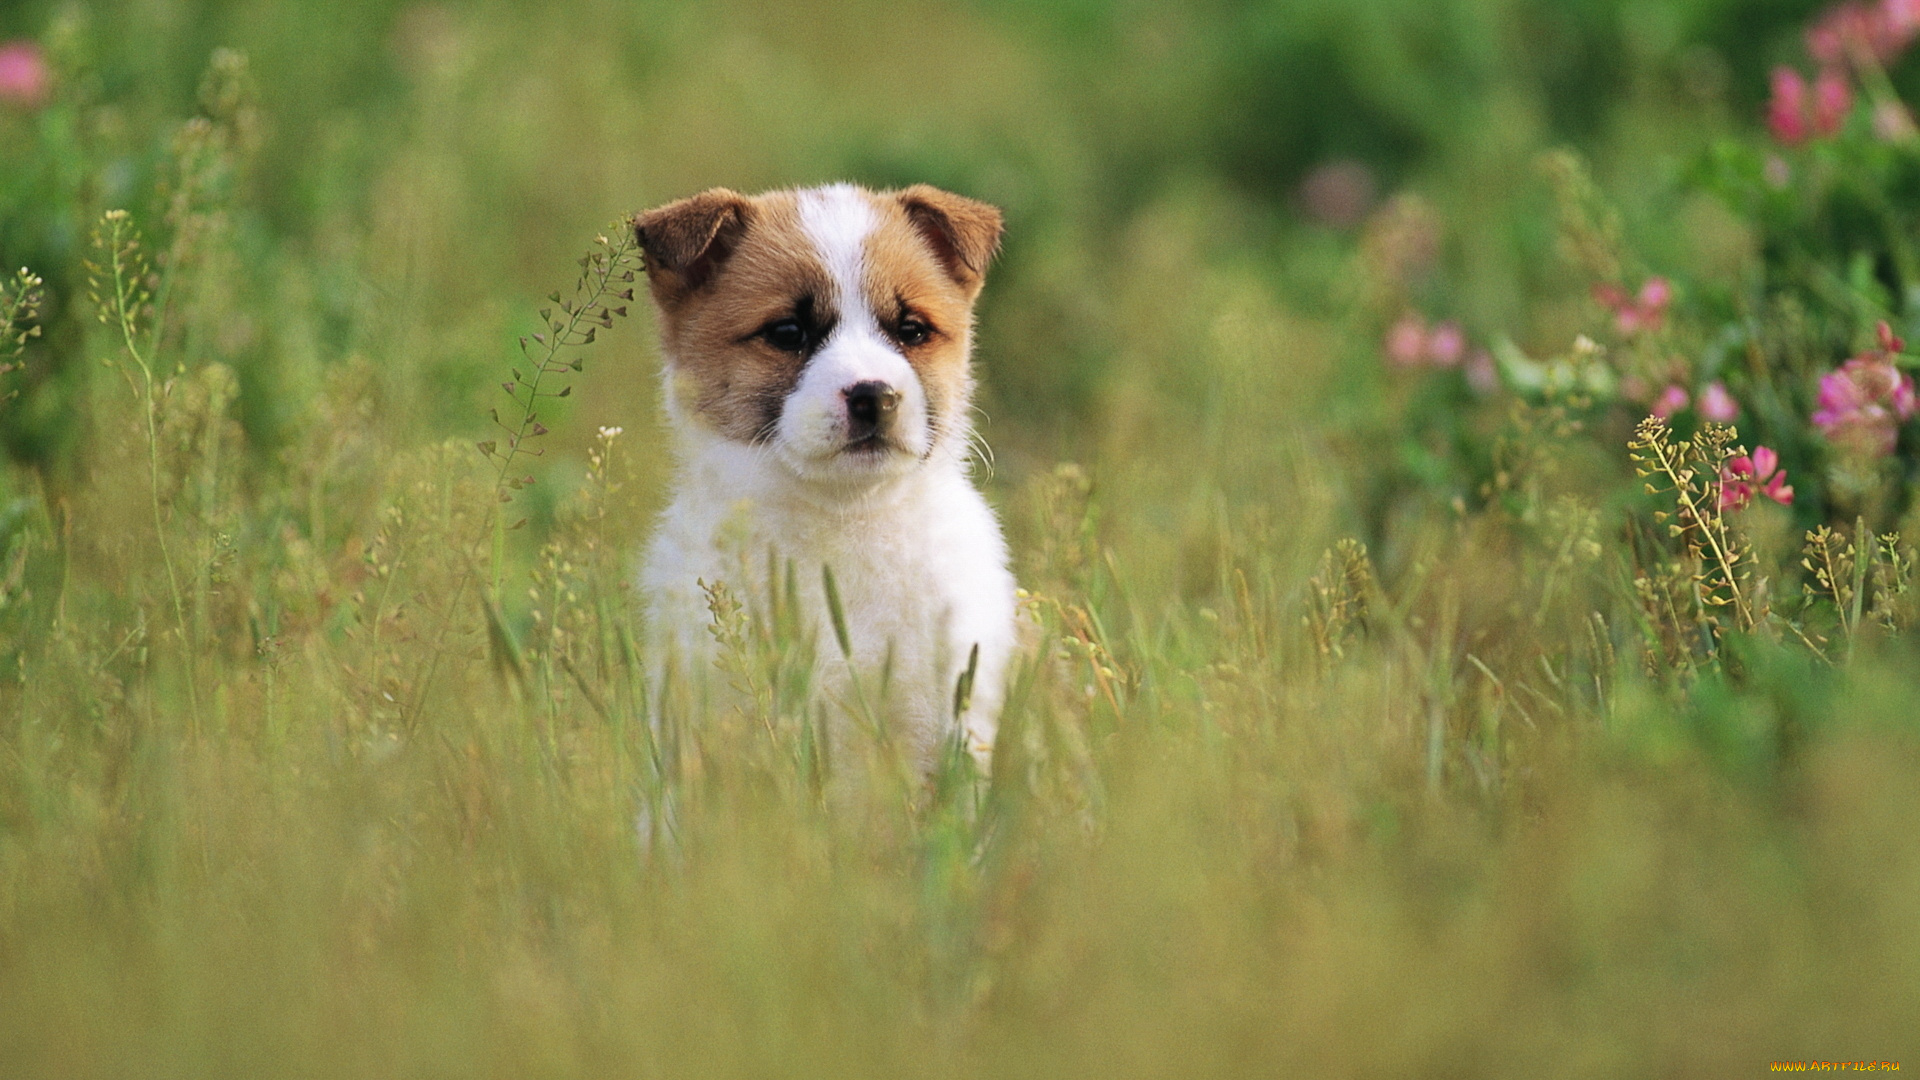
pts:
[830, 325]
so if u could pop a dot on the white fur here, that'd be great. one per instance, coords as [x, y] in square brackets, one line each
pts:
[915, 551]
[837, 220]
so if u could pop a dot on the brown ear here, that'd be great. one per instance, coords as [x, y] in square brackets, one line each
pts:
[686, 241]
[964, 233]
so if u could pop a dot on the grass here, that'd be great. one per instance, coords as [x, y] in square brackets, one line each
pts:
[1377, 728]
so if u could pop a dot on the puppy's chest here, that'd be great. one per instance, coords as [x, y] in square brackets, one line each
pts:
[894, 572]
[900, 570]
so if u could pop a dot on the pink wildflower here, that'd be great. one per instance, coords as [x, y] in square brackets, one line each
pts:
[1863, 403]
[1410, 343]
[1787, 109]
[1670, 401]
[1446, 344]
[1857, 33]
[1889, 342]
[1643, 311]
[1407, 341]
[1655, 294]
[1796, 114]
[1717, 405]
[23, 75]
[1902, 17]
[1826, 37]
[1832, 101]
[1743, 476]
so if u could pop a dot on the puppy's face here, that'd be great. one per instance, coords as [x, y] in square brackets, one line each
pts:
[831, 325]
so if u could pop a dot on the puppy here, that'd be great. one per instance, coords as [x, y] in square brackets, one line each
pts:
[818, 383]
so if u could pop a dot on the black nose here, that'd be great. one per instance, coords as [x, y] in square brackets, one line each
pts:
[870, 407]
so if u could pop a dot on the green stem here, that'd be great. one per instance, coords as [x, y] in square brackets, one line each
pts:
[602, 278]
[1700, 521]
[125, 316]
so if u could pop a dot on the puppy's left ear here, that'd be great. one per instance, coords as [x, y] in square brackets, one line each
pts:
[685, 242]
[963, 232]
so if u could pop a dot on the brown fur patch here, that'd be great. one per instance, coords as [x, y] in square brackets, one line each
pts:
[723, 374]
[683, 241]
[906, 276]
[963, 233]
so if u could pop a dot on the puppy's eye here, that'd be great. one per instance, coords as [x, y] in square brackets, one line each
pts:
[913, 332]
[787, 335]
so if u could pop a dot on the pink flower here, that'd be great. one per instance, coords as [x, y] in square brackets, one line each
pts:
[1743, 476]
[1840, 394]
[1410, 343]
[1832, 101]
[24, 80]
[1671, 400]
[1857, 33]
[1890, 343]
[1643, 311]
[1787, 109]
[1795, 113]
[1901, 16]
[1407, 341]
[1655, 294]
[1826, 38]
[1717, 405]
[1446, 344]
[1864, 402]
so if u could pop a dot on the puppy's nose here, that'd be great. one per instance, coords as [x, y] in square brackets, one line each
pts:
[870, 407]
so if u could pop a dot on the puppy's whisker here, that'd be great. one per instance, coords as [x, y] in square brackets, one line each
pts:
[978, 449]
[765, 434]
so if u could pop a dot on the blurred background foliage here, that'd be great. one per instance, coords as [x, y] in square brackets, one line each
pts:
[414, 171]
[1176, 287]
[1452, 801]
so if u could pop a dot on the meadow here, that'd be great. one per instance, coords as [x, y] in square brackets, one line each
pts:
[1460, 454]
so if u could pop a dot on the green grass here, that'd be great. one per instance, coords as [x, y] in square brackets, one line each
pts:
[1375, 729]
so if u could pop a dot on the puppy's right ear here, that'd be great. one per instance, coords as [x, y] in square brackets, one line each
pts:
[686, 241]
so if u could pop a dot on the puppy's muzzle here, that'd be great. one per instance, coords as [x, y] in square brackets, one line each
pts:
[871, 407]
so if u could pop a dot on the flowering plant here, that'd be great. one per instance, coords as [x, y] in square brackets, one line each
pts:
[24, 79]
[1802, 348]
[1745, 475]
[1864, 401]
[1806, 354]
